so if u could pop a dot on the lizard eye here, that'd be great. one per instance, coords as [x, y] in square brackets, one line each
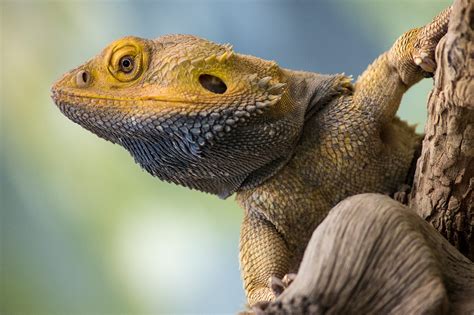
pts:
[126, 64]
[212, 83]
[127, 59]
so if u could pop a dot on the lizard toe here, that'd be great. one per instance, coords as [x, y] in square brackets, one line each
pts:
[277, 285]
[425, 61]
[288, 279]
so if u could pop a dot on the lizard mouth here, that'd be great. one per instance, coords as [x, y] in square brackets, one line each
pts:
[98, 99]
[110, 119]
[67, 90]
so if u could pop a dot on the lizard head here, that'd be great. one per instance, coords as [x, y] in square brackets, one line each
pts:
[189, 111]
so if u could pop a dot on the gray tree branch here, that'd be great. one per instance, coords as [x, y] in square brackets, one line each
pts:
[444, 180]
[373, 255]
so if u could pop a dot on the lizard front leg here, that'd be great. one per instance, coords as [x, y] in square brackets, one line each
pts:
[380, 88]
[263, 255]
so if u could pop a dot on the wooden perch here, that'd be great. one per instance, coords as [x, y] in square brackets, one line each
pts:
[373, 255]
[443, 190]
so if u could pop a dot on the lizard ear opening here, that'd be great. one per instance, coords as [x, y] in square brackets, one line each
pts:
[212, 83]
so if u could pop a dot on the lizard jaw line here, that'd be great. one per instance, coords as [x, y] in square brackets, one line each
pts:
[59, 95]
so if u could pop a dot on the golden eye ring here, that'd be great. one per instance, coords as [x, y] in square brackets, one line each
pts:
[127, 59]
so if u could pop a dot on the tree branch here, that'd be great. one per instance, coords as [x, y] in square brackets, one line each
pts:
[373, 255]
[444, 179]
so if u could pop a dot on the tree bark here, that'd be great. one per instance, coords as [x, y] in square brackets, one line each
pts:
[444, 180]
[373, 255]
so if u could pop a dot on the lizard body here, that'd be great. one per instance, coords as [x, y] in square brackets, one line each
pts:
[291, 144]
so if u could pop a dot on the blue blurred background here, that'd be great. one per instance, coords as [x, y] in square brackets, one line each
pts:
[83, 229]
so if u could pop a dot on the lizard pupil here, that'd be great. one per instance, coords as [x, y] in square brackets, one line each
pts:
[212, 83]
[126, 64]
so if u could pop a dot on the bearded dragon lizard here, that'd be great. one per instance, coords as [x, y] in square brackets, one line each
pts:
[290, 144]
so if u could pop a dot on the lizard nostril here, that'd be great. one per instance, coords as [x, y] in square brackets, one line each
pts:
[83, 78]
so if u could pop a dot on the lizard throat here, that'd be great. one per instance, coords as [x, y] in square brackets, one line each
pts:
[220, 151]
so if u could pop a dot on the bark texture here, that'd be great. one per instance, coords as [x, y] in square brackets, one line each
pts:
[444, 180]
[373, 255]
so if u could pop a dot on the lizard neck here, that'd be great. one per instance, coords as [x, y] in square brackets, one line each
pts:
[311, 91]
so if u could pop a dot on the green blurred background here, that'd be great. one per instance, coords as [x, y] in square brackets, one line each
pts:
[83, 229]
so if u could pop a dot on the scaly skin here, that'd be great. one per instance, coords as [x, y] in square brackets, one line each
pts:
[291, 144]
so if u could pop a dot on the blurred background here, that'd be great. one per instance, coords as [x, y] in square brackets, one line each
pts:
[83, 229]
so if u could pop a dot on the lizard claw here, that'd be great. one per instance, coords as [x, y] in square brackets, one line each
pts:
[288, 279]
[279, 285]
[425, 62]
